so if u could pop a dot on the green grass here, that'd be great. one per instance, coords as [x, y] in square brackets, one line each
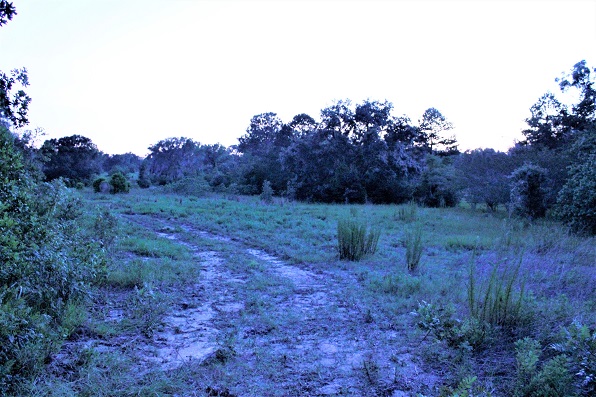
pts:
[557, 270]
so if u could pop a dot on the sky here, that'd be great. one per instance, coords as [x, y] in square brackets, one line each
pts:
[129, 73]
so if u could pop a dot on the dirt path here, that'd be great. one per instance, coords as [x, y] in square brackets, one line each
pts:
[261, 326]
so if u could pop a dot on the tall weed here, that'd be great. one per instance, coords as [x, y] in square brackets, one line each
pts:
[354, 241]
[413, 242]
[496, 301]
[407, 213]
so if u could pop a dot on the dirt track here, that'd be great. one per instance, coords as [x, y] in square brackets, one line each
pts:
[258, 325]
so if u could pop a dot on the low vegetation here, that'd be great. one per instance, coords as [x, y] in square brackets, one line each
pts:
[470, 301]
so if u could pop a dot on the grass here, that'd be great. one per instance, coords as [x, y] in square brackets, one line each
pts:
[374, 298]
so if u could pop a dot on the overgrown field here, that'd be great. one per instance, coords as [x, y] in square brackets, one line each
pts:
[228, 296]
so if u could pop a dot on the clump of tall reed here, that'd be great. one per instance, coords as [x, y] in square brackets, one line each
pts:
[498, 300]
[413, 243]
[354, 240]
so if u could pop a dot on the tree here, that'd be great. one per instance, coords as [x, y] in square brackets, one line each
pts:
[75, 158]
[437, 183]
[261, 146]
[7, 12]
[576, 202]
[431, 131]
[127, 163]
[548, 127]
[173, 158]
[483, 175]
[262, 135]
[338, 119]
[302, 124]
[583, 113]
[528, 196]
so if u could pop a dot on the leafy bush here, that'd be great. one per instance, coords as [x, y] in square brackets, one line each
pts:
[576, 204]
[191, 186]
[119, 183]
[437, 186]
[100, 185]
[528, 196]
[468, 334]
[579, 344]
[267, 193]
[553, 379]
[47, 259]
[354, 241]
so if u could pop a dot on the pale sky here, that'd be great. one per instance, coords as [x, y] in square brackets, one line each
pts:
[128, 73]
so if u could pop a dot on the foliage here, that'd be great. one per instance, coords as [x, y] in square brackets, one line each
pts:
[127, 163]
[74, 158]
[354, 240]
[47, 259]
[431, 137]
[552, 380]
[495, 301]
[576, 204]
[407, 212]
[437, 184]
[173, 159]
[267, 193]
[14, 105]
[527, 191]
[579, 344]
[438, 320]
[119, 183]
[195, 186]
[413, 243]
[143, 180]
[482, 174]
[99, 185]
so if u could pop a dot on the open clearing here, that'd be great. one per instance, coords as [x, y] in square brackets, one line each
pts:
[213, 297]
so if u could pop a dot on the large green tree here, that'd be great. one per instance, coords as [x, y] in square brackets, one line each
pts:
[432, 129]
[74, 158]
[14, 102]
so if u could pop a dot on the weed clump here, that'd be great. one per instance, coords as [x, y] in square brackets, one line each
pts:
[496, 303]
[413, 242]
[354, 241]
[407, 213]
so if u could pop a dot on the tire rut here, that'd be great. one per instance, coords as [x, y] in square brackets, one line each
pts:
[305, 329]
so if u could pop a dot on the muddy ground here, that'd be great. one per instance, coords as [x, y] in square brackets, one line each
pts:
[252, 324]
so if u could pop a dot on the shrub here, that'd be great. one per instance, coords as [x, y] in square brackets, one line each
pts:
[354, 241]
[576, 203]
[267, 193]
[191, 186]
[437, 186]
[579, 344]
[99, 185]
[553, 379]
[48, 261]
[119, 183]
[413, 242]
[467, 334]
[528, 196]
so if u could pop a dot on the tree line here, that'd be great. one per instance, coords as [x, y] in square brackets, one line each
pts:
[363, 152]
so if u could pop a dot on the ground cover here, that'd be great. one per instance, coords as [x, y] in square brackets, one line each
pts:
[229, 296]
